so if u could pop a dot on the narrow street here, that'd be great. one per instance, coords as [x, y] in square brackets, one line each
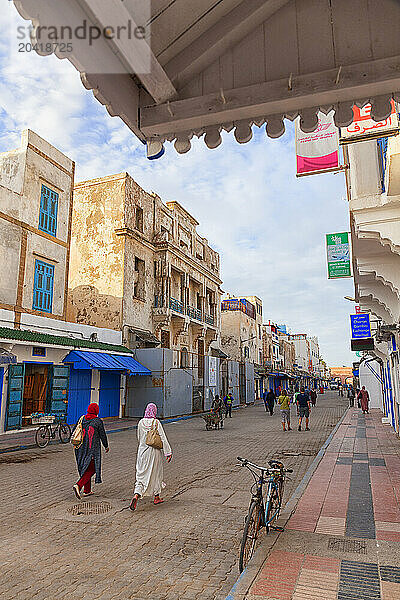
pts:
[186, 548]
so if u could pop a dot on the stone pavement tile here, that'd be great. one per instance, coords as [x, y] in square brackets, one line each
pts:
[278, 576]
[390, 590]
[331, 526]
[198, 540]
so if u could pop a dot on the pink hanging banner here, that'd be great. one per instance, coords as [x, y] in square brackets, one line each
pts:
[318, 152]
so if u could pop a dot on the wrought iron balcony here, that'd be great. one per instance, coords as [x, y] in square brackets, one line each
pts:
[209, 319]
[194, 313]
[176, 305]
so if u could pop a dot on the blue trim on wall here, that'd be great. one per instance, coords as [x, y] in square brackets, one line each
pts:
[43, 284]
[48, 210]
[1, 385]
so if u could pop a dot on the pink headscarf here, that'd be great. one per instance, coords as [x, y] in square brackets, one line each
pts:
[151, 411]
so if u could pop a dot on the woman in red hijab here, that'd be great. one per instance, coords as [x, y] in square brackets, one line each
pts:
[88, 454]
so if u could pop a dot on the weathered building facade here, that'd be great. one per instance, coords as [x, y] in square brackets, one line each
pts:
[36, 183]
[241, 328]
[46, 363]
[140, 266]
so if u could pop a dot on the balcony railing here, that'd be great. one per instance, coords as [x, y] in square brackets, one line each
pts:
[194, 313]
[190, 311]
[176, 305]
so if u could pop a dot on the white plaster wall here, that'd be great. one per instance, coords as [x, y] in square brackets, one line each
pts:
[94, 396]
[372, 384]
[301, 354]
[364, 170]
[10, 244]
[56, 327]
[6, 318]
[12, 168]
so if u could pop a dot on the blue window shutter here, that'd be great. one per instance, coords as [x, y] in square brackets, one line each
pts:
[382, 151]
[48, 210]
[43, 284]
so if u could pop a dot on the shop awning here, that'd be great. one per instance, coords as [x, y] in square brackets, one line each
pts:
[105, 362]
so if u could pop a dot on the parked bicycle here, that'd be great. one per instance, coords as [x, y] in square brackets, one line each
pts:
[46, 432]
[265, 504]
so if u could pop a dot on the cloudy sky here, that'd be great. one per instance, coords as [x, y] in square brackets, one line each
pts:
[267, 225]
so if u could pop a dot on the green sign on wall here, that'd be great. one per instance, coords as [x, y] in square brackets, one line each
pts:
[338, 254]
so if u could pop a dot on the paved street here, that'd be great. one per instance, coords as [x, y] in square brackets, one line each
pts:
[343, 540]
[186, 548]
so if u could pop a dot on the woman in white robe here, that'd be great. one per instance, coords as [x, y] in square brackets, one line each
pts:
[149, 462]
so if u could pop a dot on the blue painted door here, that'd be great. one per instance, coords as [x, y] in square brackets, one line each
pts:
[58, 399]
[109, 394]
[15, 396]
[1, 385]
[80, 382]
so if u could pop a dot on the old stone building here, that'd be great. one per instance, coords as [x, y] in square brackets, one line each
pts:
[36, 182]
[39, 349]
[241, 328]
[139, 265]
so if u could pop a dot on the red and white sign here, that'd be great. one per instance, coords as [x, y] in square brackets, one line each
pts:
[364, 127]
[318, 151]
[358, 310]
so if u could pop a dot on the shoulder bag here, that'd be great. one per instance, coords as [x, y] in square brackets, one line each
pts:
[77, 436]
[153, 438]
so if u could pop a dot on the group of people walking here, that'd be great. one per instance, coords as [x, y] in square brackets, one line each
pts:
[362, 398]
[153, 444]
[220, 405]
[303, 399]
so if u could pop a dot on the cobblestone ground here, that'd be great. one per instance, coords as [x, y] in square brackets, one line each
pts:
[186, 548]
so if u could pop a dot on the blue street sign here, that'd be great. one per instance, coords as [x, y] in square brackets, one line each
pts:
[360, 326]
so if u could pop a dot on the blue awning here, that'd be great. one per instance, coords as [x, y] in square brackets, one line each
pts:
[105, 362]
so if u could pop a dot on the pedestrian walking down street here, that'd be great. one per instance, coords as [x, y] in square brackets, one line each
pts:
[228, 401]
[313, 397]
[88, 454]
[303, 406]
[284, 403]
[217, 407]
[363, 398]
[149, 462]
[269, 401]
[351, 396]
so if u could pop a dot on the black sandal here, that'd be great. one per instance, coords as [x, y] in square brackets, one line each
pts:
[134, 502]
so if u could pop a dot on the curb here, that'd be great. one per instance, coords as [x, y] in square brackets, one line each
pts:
[118, 430]
[246, 578]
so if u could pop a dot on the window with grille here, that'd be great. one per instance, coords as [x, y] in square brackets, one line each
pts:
[43, 286]
[48, 211]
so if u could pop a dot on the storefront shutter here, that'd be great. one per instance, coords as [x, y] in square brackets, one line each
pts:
[58, 399]
[15, 396]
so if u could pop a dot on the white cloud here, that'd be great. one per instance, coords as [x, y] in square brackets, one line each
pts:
[268, 226]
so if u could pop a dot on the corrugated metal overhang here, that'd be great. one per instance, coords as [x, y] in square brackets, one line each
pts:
[105, 362]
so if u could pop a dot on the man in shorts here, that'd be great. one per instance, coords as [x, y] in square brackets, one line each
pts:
[303, 407]
[284, 403]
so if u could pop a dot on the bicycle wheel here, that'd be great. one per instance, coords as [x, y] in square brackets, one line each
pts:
[251, 528]
[42, 436]
[64, 433]
[272, 505]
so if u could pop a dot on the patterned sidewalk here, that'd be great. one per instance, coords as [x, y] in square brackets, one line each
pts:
[343, 540]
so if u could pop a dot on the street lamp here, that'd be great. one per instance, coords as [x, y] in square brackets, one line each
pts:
[350, 298]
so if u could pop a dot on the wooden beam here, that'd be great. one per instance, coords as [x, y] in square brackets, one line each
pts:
[365, 80]
[227, 32]
[136, 52]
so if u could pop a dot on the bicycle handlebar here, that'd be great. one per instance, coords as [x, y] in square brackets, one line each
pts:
[274, 464]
